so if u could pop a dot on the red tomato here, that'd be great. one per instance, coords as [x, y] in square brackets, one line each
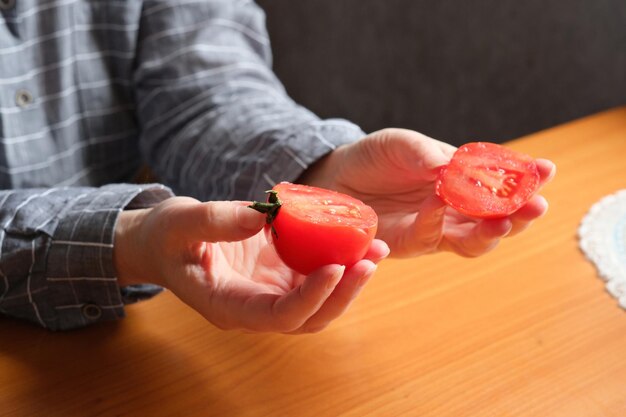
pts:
[487, 180]
[315, 227]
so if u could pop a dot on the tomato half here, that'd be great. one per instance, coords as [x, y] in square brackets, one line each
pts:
[487, 180]
[315, 227]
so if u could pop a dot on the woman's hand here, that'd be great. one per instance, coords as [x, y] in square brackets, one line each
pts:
[215, 257]
[394, 171]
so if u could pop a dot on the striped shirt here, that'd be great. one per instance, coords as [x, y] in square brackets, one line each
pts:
[91, 90]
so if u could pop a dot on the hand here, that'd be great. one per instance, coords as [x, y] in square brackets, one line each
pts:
[215, 257]
[394, 171]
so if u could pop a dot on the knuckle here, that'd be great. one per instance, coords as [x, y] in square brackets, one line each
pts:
[316, 328]
[286, 327]
[475, 252]
[211, 213]
[283, 323]
[430, 242]
[388, 131]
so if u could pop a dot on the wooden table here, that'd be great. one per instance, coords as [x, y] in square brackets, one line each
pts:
[527, 330]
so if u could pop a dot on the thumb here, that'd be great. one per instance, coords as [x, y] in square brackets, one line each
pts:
[425, 156]
[223, 221]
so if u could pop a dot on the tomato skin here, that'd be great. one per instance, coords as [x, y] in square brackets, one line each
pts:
[308, 236]
[487, 180]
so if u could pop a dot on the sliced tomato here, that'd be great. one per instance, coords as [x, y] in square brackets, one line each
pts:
[487, 180]
[315, 227]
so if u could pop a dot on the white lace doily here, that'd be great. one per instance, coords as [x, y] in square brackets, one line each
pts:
[602, 235]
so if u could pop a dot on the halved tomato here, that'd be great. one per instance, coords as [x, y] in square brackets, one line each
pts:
[487, 180]
[311, 227]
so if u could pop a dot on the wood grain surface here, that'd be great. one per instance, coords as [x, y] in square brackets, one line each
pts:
[527, 330]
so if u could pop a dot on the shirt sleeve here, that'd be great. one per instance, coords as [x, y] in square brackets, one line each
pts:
[56, 259]
[216, 122]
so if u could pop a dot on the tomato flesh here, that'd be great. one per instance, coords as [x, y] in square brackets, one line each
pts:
[487, 180]
[316, 227]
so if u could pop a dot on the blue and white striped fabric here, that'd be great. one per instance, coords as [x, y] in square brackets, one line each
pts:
[91, 90]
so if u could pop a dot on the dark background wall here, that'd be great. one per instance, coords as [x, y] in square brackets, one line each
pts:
[455, 70]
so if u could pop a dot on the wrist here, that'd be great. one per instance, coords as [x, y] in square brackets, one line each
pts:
[127, 249]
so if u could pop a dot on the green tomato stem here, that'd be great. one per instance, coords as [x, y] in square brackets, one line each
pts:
[270, 208]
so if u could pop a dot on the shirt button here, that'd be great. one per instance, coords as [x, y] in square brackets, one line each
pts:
[7, 4]
[92, 311]
[23, 97]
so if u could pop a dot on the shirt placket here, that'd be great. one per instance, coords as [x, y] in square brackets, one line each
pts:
[16, 90]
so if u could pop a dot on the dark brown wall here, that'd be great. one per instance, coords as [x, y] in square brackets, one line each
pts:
[455, 70]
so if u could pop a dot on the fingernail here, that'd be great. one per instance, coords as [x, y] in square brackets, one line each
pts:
[387, 252]
[336, 277]
[545, 204]
[249, 219]
[435, 170]
[509, 227]
[367, 275]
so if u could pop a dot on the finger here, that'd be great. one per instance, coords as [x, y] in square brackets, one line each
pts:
[482, 238]
[346, 291]
[220, 221]
[426, 232]
[443, 157]
[422, 154]
[522, 218]
[435, 155]
[547, 170]
[267, 312]
[377, 251]
[538, 205]
[486, 236]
